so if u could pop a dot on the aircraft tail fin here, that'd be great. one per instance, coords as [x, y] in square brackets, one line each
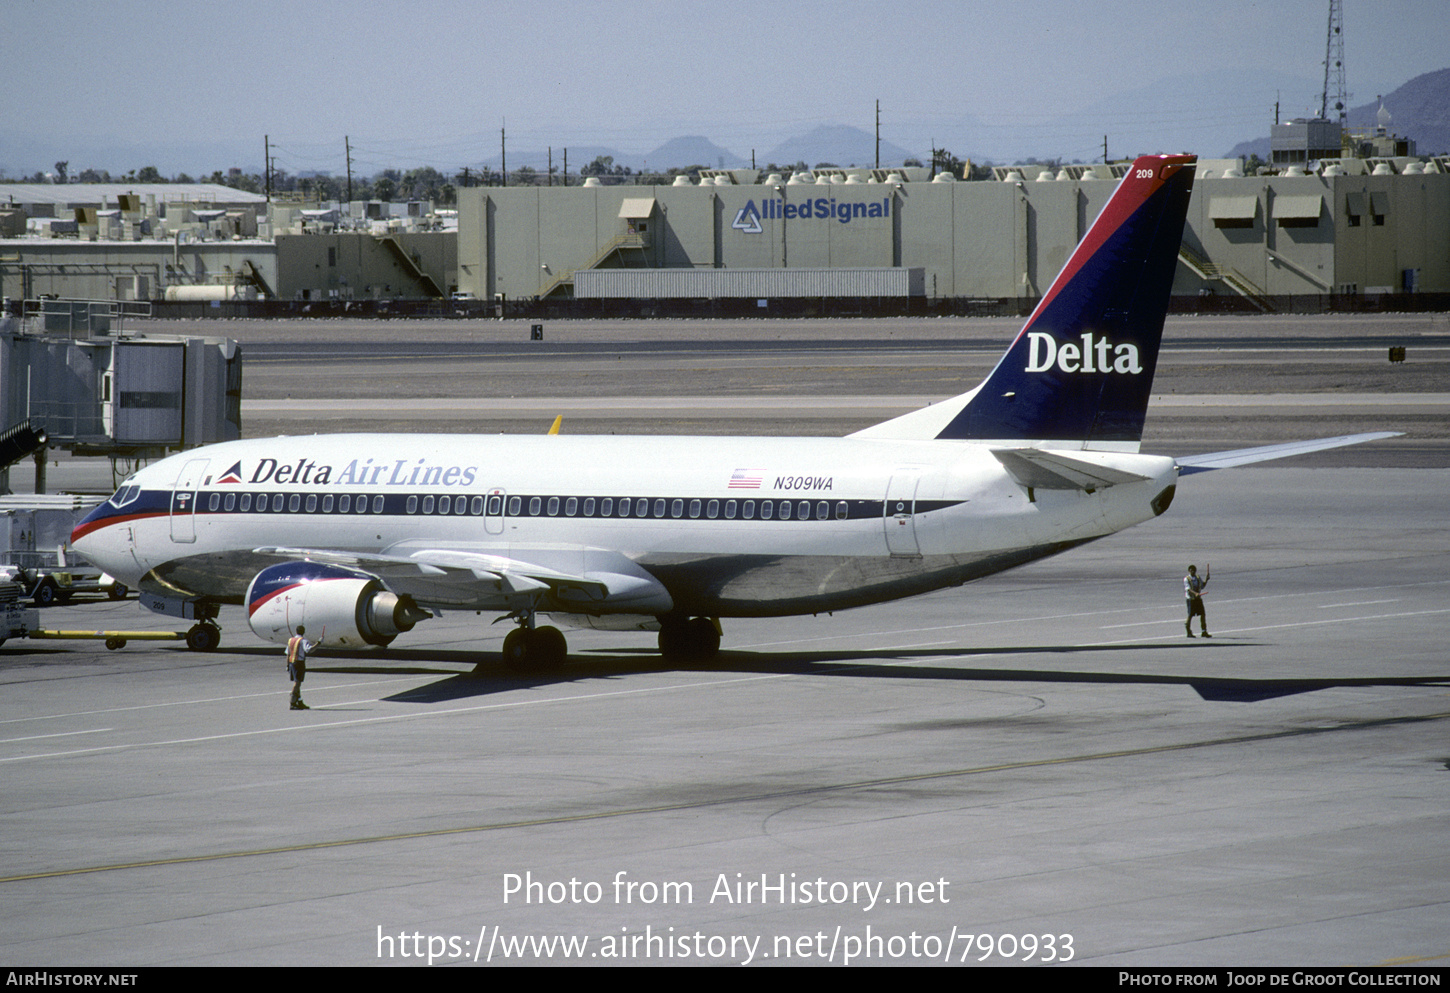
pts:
[1080, 371]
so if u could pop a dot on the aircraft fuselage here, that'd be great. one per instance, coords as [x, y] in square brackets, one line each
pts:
[730, 527]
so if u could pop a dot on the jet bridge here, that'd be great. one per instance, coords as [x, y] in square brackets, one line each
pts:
[119, 395]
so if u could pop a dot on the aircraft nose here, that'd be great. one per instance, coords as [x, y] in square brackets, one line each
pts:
[88, 537]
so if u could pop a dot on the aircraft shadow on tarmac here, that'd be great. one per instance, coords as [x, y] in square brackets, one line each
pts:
[489, 676]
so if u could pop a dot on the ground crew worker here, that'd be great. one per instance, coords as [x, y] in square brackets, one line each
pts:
[297, 649]
[1193, 592]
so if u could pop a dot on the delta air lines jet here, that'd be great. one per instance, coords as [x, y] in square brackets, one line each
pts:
[362, 536]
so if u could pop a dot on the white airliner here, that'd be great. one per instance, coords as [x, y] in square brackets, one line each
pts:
[362, 536]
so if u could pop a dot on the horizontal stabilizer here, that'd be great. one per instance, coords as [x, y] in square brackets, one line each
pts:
[1055, 471]
[1265, 453]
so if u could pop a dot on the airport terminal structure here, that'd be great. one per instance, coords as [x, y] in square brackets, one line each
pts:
[1351, 233]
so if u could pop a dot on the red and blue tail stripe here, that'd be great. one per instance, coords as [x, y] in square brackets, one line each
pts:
[1082, 367]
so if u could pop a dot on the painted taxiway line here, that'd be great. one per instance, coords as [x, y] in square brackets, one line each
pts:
[757, 406]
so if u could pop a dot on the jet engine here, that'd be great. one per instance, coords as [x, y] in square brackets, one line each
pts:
[340, 607]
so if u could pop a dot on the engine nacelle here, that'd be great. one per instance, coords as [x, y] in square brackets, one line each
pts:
[341, 608]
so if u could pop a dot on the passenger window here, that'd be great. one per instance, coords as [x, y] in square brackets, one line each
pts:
[214, 502]
[476, 507]
[571, 507]
[246, 502]
[553, 506]
[344, 504]
[516, 504]
[413, 504]
[231, 501]
[677, 508]
[428, 503]
[327, 504]
[378, 504]
[842, 511]
[277, 503]
[536, 504]
[712, 509]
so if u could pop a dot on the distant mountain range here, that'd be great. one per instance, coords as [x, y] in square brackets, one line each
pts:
[838, 144]
[1204, 114]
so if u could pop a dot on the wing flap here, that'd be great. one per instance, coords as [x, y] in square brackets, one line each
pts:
[607, 581]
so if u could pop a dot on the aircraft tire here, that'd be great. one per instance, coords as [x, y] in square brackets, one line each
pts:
[551, 649]
[203, 637]
[693, 640]
[704, 639]
[540, 650]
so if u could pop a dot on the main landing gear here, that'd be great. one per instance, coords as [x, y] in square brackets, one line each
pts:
[692, 639]
[531, 649]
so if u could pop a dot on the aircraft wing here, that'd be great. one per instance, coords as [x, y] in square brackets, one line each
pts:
[1264, 453]
[460, 577]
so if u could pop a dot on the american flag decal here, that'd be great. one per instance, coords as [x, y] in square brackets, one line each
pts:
[746, 479]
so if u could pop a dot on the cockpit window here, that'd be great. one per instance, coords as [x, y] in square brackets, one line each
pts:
[127, 493]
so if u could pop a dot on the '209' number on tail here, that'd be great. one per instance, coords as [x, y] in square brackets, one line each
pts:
[1143, 174]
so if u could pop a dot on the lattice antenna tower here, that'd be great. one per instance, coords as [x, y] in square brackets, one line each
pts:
[1335, 98]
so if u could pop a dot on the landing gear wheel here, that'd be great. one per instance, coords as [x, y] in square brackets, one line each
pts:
[117, 592]
[115, 643]
[538, 650]
[203, 637]
[693, 640]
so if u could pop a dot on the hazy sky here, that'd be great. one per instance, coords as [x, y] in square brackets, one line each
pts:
[434, 80]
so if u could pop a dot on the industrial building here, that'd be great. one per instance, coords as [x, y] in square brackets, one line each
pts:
[1274, 242]
[1337, 233]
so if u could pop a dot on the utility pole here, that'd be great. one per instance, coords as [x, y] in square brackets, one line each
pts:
[566, 166]
[267, 165]
[347, 151]
[551, 165]
[503, 147]
[878, 134]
